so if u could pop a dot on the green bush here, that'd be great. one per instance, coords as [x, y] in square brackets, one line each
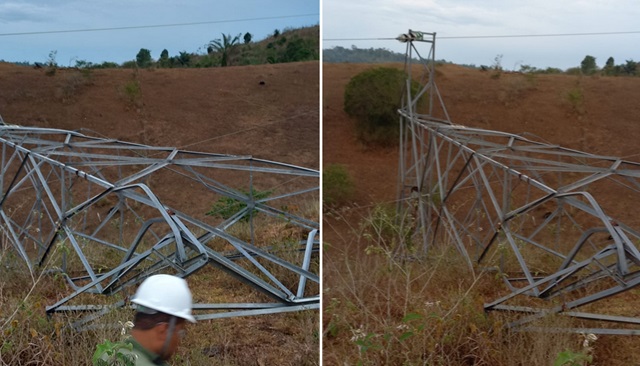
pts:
[133, 92]
[373, 98]
[225, 207]
[337, 185]
[575, 97]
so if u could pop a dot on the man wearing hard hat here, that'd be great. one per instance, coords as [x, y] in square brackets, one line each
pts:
[163, 305]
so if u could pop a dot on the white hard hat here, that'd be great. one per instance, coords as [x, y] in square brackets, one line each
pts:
[167, 294]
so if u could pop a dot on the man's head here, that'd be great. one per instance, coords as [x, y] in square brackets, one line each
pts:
[163, 307]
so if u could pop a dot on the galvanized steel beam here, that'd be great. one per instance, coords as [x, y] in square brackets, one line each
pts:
[101, 213]
[557, 224]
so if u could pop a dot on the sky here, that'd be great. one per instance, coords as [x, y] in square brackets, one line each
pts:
[352, 22]
[368, 21]
[50, 17]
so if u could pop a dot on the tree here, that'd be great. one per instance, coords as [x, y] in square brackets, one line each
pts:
[247, 38]
[224, 46]
[609, 67]
[276, 33]
[298, 50]
[630, 67]
[373, 97]
[84, 64]
[184, 58]
[588, 65]
[164, 58]
[143, 58]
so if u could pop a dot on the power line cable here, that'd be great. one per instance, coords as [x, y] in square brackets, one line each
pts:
[358, 39]
[496, 36]
[155, 25]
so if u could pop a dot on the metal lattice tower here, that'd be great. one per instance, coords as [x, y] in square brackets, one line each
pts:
[533, 212]
[102, 214]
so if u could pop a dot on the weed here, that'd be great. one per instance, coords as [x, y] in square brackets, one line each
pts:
[582, 357]
[388, 231]
[73, 83]
[337, 185]
[575, 97]
[52, 65]
[497, 67]
[225, 207]
[110, 354]
[132, 91]
[514, 88]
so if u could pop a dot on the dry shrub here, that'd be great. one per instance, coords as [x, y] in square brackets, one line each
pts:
[515, 88]
[27, 334]
[72, 84]
[382, 309]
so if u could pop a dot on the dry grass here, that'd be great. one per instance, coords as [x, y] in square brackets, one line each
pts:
[380, 309]
[29, 337]
[27, 334]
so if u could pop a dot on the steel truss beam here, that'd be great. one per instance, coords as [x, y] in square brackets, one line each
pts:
[103, 214]
[556, 224]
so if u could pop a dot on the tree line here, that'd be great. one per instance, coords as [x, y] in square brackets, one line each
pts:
[360, 55]
[588, 66]
[289, 45]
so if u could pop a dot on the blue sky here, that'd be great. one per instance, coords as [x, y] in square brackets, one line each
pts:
[454, 18]
[230, 17]
[341, 19]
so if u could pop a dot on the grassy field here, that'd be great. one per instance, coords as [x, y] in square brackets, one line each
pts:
[28, 336]
[383, 309]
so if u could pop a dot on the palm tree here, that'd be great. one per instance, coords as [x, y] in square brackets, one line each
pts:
[224, 46]
[247, 38]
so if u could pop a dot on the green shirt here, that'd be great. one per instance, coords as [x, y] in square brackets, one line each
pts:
[143, 357]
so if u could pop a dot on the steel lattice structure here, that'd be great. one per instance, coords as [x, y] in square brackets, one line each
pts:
[102, 214]
[533, 212]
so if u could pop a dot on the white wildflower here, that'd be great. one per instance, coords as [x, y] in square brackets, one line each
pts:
[588, 339]
[124, 327]
[358, 334]
[429, 304]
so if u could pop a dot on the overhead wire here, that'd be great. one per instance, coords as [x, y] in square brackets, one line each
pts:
[156, 25]
[496, 36]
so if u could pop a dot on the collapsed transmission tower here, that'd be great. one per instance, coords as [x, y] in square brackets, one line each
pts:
[105, 214]
[533, 212]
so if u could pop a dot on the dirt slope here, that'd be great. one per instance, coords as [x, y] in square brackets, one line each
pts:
[222, 110]
[269, 111]
[604, 120]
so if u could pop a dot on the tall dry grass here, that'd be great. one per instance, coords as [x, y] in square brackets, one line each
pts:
[28, 336]
[380, 308]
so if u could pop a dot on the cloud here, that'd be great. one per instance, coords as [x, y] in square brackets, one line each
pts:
[23, 12]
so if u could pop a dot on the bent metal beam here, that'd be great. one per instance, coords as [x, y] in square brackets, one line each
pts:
[105, 214]
[556, 225]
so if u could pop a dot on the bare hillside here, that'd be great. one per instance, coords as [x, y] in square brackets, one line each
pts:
[267, 111]
[603, 120]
